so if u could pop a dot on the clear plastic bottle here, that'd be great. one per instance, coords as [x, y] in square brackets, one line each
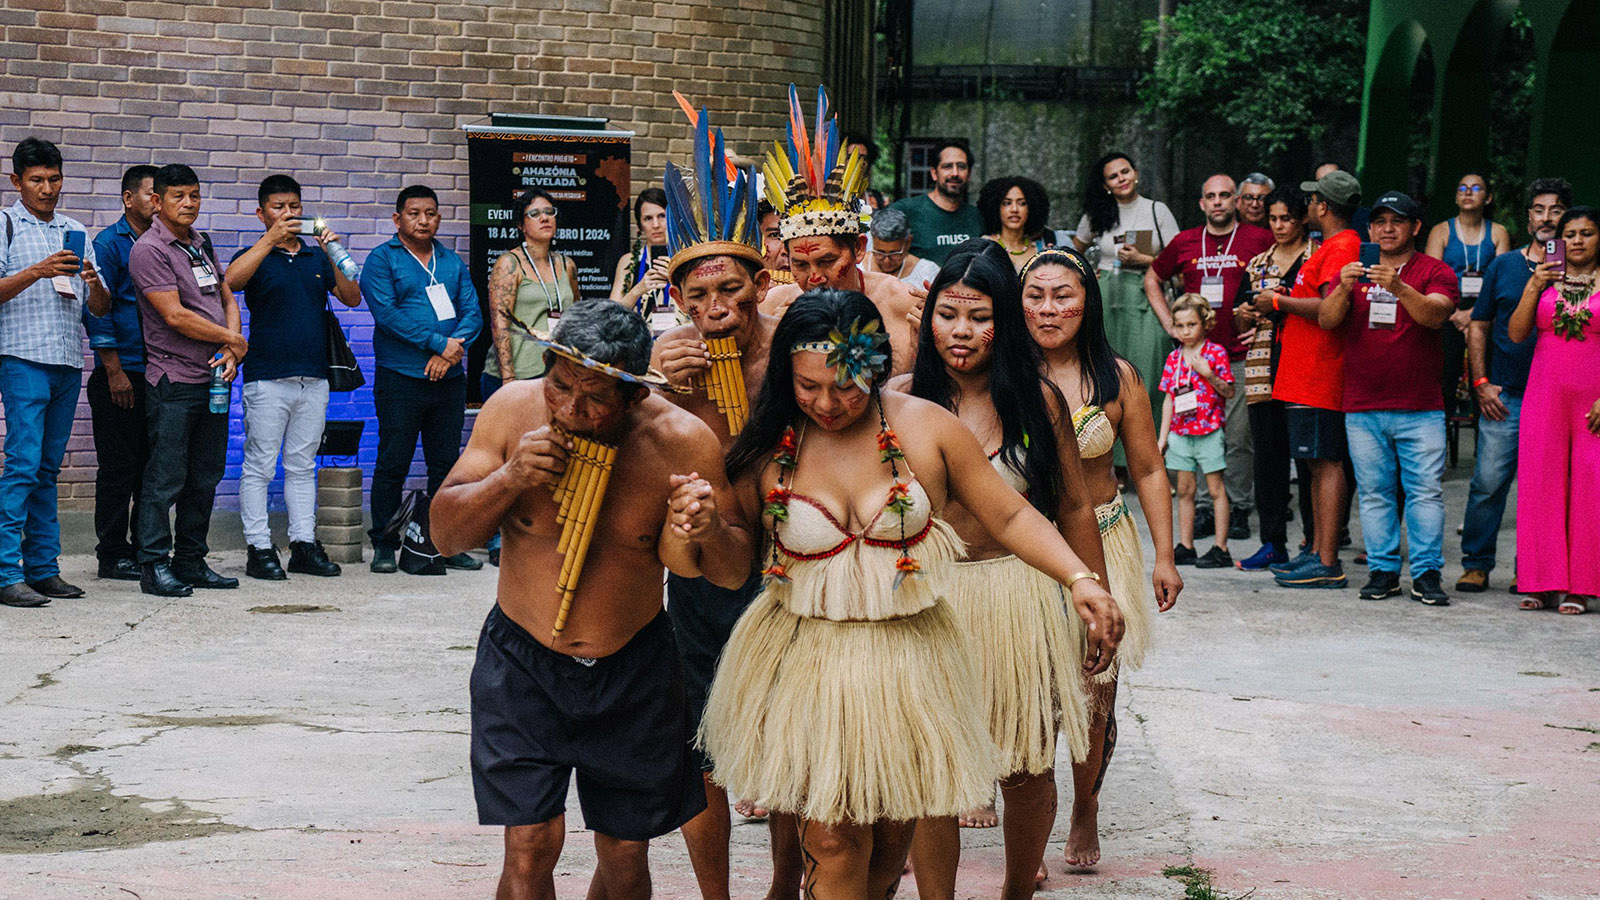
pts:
[219, 393]
[340, 256]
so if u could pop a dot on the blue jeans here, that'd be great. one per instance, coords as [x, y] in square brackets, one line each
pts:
[1491, 482]
[1390, 450]
[40, 403]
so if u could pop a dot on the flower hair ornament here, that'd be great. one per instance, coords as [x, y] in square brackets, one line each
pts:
[854, 357]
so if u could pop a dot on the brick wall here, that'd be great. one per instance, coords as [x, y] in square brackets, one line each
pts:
[357, 98]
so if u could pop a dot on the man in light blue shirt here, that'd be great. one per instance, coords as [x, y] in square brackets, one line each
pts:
[43, 287]
[426, 314]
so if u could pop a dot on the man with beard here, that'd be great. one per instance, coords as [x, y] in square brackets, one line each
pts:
[1499, 369]
[942, 218]
[1211, 261]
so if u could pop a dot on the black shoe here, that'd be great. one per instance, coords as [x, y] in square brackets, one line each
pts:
[120, 569]
[463, 561]
[197, 574]
[1183, 556]
[22, 596]
[308, 558]
[1426, 588]
[383, 561]
[494, 557]
[263, 564]
[1381, 585]
[1204, 522]
[56, 589]
[157, 578]
[1238, 524]
[1215, 558]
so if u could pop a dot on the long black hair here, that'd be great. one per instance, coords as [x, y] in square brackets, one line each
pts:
[1098, 362]
[810, 318]
[1016, 387]
[1097, 199]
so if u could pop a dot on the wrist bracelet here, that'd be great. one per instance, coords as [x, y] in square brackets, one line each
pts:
[1480, 381]
[1081, 576]
[1275, 302]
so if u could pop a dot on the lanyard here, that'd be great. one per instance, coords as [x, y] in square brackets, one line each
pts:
[1477, 257]
[552, 303]
[1221, 250]
[195, 255]
[434, 259]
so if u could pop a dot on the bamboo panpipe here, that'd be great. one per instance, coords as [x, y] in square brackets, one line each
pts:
[725, 382]
[579, 494]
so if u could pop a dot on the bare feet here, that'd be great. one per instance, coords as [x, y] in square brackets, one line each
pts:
[1041, 876]
[983, 817]
[750, 810]
[1083, 841]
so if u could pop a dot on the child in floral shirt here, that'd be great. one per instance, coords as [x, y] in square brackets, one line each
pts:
[1196, 380]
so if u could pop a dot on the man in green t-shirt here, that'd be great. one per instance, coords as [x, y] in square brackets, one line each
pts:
[943, 218]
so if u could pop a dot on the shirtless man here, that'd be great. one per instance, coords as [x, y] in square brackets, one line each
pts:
[834, 260]
[605, 696]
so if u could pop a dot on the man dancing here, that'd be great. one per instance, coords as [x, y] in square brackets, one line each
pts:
[603, 695]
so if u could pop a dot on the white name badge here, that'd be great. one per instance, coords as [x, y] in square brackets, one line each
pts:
[440, 298]
[1471, 284]
[662, 320]
[63, 286]
[1383, 310]
[203, 275]
[1211, 290]
[1186, 402]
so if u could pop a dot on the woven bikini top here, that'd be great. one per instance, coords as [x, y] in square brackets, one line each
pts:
[1095, 434]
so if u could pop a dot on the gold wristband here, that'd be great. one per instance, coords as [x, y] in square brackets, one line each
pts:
[1081, 576]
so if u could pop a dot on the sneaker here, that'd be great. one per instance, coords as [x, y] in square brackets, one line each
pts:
[383, 561]
[1204, 522]
[1183, 556]
[1238, 524]
[1314, 575]
[1301, 559]
[1473, 581]
[262, 563]
[463, 561]
[1268, 555]
[1381, 586]
[1426, 588]
[1215, 558]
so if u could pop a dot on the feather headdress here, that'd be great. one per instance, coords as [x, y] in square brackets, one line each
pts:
[813, 183]
[710, 213]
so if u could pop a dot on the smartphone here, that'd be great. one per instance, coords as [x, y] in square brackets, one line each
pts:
[308, 225]
[75, 245]
[1555, 251]
[1369, 258]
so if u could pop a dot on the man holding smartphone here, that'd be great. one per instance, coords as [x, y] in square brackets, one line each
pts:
[47, 275]
[286, 282]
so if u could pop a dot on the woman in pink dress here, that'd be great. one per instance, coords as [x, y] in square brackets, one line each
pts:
[1558, 464]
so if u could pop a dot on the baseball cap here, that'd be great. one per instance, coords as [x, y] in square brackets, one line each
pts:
[1339, 186]
[1399, 203]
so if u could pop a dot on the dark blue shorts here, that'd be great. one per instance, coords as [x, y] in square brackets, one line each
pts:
[1316, 433]
[621, 723]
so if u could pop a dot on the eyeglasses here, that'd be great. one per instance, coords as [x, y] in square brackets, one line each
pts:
[1469, 188]
[885, 254]
[543, 212]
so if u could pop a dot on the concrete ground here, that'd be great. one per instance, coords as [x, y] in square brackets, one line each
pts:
[310, 740]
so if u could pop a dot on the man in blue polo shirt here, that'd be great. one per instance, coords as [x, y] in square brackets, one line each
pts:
[286, 283]
[116, 386]
[426, 312]
[1499, 370]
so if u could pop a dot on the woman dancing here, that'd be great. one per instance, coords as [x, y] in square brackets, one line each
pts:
[976, 359]
[1061, 301]
[845, 695]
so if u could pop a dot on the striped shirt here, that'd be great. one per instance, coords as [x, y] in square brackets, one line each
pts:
[39, 325]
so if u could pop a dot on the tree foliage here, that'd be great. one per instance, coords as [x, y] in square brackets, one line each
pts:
[1274, 71]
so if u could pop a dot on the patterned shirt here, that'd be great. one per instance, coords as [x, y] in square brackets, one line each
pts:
[1178, 378]
[40, 325]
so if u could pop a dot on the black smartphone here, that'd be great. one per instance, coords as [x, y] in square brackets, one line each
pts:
[1369, 258]
[1555, 251]
[74, 244]
[308, 225]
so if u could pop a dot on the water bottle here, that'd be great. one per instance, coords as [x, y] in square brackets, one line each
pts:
[219, 388]
[340, 257]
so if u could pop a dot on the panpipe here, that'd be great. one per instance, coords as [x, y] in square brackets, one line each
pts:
[725, 382]
[579, 494]
[781, 276]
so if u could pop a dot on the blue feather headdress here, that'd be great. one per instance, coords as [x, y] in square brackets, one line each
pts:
[711, 211]
[813, 184]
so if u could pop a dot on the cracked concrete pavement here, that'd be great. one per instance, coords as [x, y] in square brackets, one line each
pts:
[1298, 744]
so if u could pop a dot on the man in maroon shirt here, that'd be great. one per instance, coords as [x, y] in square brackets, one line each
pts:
[1211, 260]
[1390, 315]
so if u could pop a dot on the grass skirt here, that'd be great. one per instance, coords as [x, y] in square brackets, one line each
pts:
[1027, 659]
[849, 721]
[1129, 586]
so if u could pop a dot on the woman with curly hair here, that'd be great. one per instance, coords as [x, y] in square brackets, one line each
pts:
[1015, 211]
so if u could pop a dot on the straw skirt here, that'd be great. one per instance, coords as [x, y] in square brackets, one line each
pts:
[1129, 586]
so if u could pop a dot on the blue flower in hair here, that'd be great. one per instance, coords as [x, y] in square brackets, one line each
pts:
[855, 357]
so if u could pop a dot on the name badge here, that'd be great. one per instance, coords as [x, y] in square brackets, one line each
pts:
[203, 275]
[1383, 309]
[1185, 401]
[440, 298]
[1211, 290]
[1471, 284]
[662, 320]
[63, 286]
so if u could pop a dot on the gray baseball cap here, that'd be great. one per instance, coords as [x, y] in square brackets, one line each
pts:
[1339, 186]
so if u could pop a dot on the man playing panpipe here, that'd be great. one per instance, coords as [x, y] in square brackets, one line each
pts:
[717, 280]
[604, 695]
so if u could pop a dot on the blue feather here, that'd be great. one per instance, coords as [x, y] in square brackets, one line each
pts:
[718, 189]
[681, 231]
[702, 167]
[752, 224]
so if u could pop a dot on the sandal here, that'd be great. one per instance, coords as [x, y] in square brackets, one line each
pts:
[1573, 606]
[1534, 603]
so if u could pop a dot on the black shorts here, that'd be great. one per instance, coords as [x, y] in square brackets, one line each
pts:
[621, 721]
[703, 616]
[1316, 433]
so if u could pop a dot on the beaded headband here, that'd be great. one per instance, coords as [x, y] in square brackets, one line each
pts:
[1054, 255]
[813, 183]
[854, 357]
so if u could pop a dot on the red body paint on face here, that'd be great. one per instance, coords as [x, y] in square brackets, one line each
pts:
[808, 246]
[987, 337]
[959, 297]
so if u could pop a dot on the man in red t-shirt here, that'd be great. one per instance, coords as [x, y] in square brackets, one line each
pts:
[1310, 380]
[1390, 315]
[1211, 260]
